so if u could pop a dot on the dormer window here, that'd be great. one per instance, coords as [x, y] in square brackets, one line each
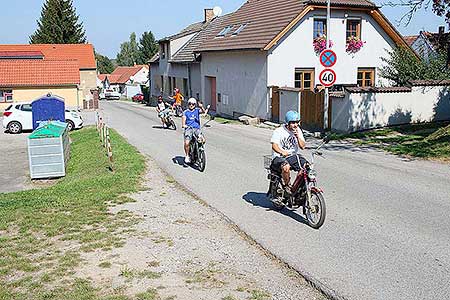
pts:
[225, 31]
[239, 29]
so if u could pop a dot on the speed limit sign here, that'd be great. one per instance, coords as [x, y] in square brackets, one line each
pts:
[327, 77]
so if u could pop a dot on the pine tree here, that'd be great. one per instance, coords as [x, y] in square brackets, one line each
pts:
[104, 64]
[59, 24]
[147, 48]
[129, 54]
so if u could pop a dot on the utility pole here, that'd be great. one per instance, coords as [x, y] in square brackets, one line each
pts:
[327, 91]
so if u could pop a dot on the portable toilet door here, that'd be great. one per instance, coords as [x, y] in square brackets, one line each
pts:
[48, 108]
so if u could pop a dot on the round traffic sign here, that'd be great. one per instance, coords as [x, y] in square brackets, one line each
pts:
[327, 77]
[328, 58]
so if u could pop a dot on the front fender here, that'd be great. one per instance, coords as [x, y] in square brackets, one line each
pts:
[316, 189]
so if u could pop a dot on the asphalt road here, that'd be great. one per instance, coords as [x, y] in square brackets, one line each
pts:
[386, 235]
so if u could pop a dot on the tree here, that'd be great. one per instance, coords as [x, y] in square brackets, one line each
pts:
[104, 64]
[147, 48]
[402, 66]
[439, 7]
[58, 24]
[128, 55]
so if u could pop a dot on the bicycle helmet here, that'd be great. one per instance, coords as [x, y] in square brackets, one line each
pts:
[177, 90]
[192, 100]
[292, 116]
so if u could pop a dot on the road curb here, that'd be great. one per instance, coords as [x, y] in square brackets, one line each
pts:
[327, 291]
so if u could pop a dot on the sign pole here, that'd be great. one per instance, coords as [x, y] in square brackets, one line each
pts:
[327, 92]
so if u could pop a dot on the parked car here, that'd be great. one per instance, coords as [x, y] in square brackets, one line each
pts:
[138, 98]
[112, 95]
[101, 96]
[18, 117]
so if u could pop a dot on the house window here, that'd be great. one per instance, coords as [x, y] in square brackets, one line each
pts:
[304, 79]
[225, 31]
[353, 29]
[366, 77]
[6, 96]
[320, 28]
[239, 29]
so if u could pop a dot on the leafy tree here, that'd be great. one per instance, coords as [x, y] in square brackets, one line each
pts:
[58, 24]
[402, 66]
[104, 64]
[147, 48]
[439, 7]
[128, 55]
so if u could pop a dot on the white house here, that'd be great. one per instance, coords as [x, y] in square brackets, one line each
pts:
[176, 66]
[126, 80]
[267, 44]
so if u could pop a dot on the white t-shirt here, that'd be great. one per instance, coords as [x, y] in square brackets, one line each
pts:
[161, 106]
[286, 140]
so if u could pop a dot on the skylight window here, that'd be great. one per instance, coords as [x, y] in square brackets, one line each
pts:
[225, 31]
[239, 29]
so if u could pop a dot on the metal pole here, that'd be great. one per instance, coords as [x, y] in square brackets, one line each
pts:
[327, 92]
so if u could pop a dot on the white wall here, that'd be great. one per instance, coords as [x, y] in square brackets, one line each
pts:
[296, 50]
[369, 110]
[241, 78]
[141, 77]
[176, 45]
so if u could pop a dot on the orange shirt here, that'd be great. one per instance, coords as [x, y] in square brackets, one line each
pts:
[178, 97]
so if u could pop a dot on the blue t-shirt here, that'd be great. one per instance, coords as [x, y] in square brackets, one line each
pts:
[192, 118]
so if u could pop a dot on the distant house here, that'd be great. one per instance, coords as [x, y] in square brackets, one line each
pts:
[427, 44]
[82, 53]
[126, 80]
[176, 65]
[28, 79]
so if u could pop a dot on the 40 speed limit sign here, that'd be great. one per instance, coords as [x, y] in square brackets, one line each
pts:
[327, 77]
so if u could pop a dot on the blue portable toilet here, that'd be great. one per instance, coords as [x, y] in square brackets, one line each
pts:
[48, 108]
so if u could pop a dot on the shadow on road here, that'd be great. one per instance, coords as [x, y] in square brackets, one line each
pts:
[158, 127]
[179, 160]
[261, 200]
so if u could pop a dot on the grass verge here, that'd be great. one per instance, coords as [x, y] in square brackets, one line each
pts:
[43, 231]
[430, 141]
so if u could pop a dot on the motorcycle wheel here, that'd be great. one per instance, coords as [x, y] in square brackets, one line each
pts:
[201, 160]
[172, 124]
[179, 111]
[315, 213]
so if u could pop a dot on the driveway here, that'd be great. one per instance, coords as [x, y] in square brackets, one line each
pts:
[14, 169]
[14, 174]
[386, 232]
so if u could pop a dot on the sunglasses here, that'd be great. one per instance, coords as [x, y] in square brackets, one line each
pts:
[191, 104]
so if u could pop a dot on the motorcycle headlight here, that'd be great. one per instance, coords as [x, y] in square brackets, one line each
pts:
[312, 174]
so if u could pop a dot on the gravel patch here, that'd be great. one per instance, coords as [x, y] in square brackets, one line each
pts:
[185, 250]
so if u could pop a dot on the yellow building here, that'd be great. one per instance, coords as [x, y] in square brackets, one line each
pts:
[28, 79]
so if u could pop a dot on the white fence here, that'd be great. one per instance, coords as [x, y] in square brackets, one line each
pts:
[358, 110]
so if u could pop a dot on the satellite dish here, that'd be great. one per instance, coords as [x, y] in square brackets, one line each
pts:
[217, 11]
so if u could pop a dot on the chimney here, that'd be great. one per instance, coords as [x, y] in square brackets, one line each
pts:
[209, 14]
[441, 30]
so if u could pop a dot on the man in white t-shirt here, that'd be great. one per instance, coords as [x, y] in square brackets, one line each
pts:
[287, 141]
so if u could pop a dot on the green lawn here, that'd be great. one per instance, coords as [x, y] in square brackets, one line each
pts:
[430, 141]
[36, 224]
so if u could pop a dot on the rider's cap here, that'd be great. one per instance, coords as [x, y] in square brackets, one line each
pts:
[192, 100]
[292, 116]
[177, 90]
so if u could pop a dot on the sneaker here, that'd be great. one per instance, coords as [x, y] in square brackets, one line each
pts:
[187, 160]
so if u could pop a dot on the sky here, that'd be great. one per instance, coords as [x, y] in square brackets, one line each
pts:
[110, 22]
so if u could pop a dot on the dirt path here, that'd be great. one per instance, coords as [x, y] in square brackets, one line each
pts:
[183, 249]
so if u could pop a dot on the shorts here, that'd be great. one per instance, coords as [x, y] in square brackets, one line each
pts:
[278, 162]
[164, 113]
[189, 133]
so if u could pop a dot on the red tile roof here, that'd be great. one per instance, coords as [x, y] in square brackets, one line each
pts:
[32, 73]
[102, 77]
[84, 53]
[122, 74]
[410, 39]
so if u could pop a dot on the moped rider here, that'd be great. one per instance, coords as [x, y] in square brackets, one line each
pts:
[191, 124]
[162, 109]
[287, 141]
[177, 98]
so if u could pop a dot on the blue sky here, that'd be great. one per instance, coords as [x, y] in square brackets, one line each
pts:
[110, 22]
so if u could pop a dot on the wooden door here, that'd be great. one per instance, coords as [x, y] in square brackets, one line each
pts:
[212, 84]
[275, 104]
[312, 110]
